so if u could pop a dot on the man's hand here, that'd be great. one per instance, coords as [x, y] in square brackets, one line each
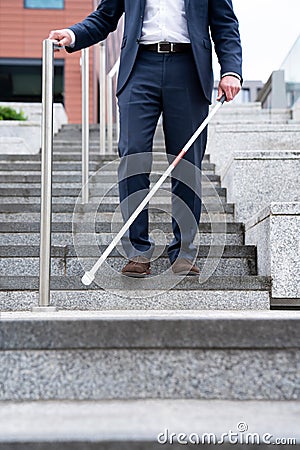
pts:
[230, 86]
[62, 37]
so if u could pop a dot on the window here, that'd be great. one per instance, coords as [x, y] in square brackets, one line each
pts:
[44, 4]
[21, 80]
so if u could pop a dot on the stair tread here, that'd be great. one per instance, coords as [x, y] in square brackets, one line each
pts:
[118, 422]
[118, 282]
[69, 251]
[88, 227]
[158, 207]
[138, 329]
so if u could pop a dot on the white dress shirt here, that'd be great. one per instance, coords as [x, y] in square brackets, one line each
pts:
[164, 20]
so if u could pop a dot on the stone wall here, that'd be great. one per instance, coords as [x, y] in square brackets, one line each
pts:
[254, 179]
[275, 232]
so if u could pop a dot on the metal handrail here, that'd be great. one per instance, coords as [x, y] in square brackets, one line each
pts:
[102, 94]
[110, 98]
[46, 173]
[273, 93]
[47, 161]
[85, 124]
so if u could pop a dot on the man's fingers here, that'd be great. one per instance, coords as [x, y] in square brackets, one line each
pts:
[62, 37]
[230, 86]
[229, 93]
[220, 93]
[64, 42]
[55, 35]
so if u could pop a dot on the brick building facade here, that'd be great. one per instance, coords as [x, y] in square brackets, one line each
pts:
[23, 26]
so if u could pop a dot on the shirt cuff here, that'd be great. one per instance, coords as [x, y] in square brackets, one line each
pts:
[73, 37]
[233, 74]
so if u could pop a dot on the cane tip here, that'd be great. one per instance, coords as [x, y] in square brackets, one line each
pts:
[87, 278]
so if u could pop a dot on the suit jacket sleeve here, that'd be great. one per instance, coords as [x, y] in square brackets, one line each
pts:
[97, 25]
[224, 29]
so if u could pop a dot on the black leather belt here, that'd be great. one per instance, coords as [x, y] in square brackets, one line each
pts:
[166, 47]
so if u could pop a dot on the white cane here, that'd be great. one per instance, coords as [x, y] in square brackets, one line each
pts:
[89, 276]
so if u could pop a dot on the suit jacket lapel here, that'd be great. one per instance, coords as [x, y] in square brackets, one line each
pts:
[186, 4]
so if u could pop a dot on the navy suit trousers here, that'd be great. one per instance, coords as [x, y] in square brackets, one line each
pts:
[165, 84]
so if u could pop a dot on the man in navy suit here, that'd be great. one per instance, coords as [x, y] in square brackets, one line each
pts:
[165, 68]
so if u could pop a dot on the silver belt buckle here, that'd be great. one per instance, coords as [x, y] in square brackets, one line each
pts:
[159, 50]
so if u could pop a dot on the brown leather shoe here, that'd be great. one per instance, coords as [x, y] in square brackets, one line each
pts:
[138, 267]
[184, 266]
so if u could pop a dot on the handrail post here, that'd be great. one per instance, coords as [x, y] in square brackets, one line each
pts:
[110, 99]
[85, 124]
[109, 115]
[46, 175]
[102, 99]
[117, 122]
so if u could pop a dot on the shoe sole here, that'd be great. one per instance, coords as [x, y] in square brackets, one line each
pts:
[135, 275]
[188, 274]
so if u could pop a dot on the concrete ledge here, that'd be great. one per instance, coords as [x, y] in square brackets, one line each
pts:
[279, 209]
[152, 355]
[33, 111]
[136, 424]
[150, 329]
[275, 232]
[28, 132]
[296, 111]
[225, 139]
[255, 179]
[118, 283]
[252, 113]
[265, 155]
[14, 145]
[178, 299]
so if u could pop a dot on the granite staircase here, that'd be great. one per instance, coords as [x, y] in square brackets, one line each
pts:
[234, 284]
[123, 360]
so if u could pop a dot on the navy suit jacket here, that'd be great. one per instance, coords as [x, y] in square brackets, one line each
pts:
[203, 17]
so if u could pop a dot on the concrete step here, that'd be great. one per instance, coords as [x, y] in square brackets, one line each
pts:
[123, 285]
[200, 355]
[73, 267]
[75, 148]
[261, 128]
[15, 226]
[73, 183]
[102, 172]
[68, 180]
[243, 114]
[67, 142]
[63, 238]
[117, 424]
[64, 156]
[111, 204]
[109, 221]
[75, 177]
[69, 251]
[16, 193]
[111, 164]
[36, 166]
[70, 296]
[68, 261]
